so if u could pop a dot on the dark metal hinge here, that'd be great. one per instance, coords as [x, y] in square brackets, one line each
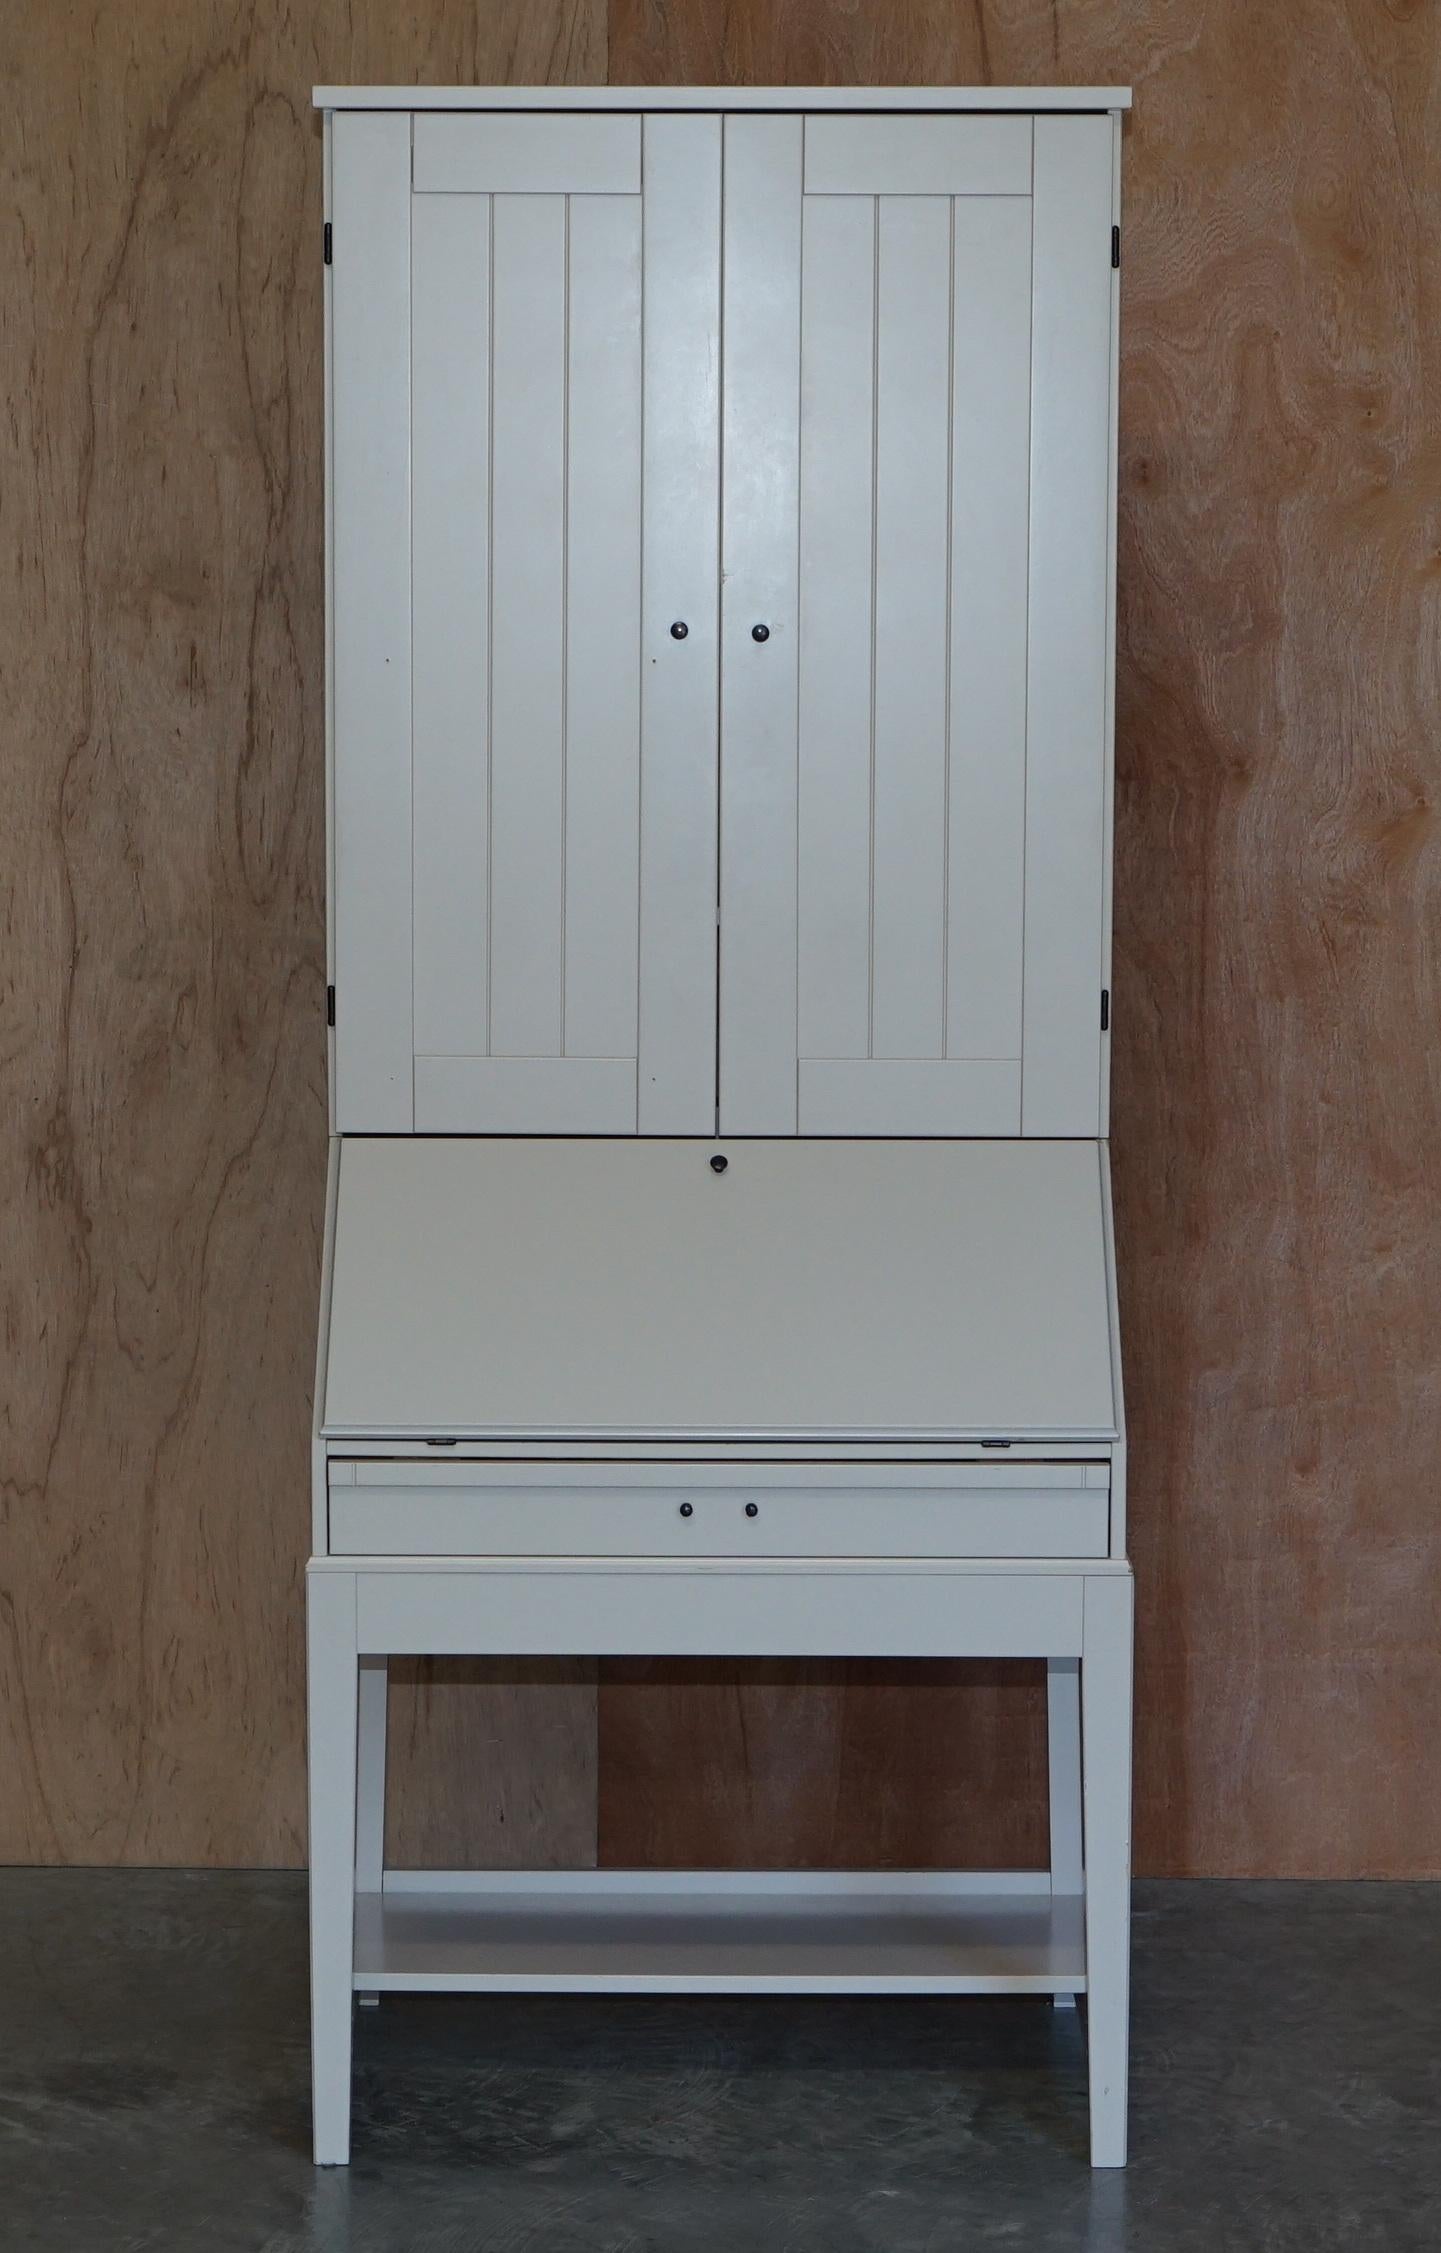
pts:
[330, 1005]
[1105, 1009]
[328, 242]
[1115, 246]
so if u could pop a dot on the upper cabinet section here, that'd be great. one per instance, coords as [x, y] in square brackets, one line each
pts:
[721, 606]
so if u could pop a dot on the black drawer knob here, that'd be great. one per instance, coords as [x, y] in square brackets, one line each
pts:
[760, 633]
[753, 1509]
[679, 630]
[687, 1509]
[718, 1164]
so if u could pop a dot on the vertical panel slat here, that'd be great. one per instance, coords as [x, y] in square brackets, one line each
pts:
[760, 509]
[912, 506]
[1066, 726]
[370, 404]
[450, 356]
[682, 169]
[602, 809]
[990, 445]
[528, 625]
[834, 847]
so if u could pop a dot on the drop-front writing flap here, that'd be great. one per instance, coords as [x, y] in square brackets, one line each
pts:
[597, 1286]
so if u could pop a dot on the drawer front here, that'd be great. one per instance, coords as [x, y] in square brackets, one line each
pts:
[718, 1510]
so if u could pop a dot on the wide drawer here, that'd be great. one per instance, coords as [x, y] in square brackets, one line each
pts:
[534, 1508]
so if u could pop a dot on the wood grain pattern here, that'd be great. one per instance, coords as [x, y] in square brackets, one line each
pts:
[1277, 1107]
[162, 1156]
[810, 1766]
[492, 1764]
[1277, 1119]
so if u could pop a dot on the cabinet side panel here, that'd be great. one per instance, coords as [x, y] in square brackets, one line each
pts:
[370, 403]
[680, 585]
[1069, 623]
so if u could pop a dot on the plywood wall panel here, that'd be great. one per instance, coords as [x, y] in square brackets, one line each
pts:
[162, 1134]
[492, 1763]
[1277, 1118]
[811, 1765]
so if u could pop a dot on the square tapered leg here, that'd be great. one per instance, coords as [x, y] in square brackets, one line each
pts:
[1063, 1740]
[334, 1686]
[1106, 1822]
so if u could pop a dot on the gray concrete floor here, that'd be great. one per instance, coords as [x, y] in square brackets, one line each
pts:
[153, 2091]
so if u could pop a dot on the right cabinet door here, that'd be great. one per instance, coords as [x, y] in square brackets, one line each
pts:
[916, 610]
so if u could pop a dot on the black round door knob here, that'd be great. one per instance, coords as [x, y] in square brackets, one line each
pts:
[760, 633]
[679, 630]
[687, 1509]
[753, 1509]
[718, 1164]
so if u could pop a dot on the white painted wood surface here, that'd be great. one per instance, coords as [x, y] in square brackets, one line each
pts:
[680, 679]
[333, 1688]
[903, 906]
[726, 1608]
[623, 1287]
[913, 156]
[450, 563]
[932, 1887]
[527, 715]
[1063, 1745]
[760, 450]
[892, 1095]
[528, 155]
[533, 928]
[1106, 1818]
[912, 782]
[896, 808]
[988, 624]
[344, 1457]
[372, 1733]
[573, 1094]
[683, 1510]
[371, 606]
[1067, 750]
[528, 619]
[834, 721]
[651, 1937]
[902, 99]
[601, 825]
[562, 1470]
[909, 758]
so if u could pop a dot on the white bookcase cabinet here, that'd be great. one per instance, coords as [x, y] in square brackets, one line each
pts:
[721, 494]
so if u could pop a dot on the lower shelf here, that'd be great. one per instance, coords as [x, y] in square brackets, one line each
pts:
[658, 1932]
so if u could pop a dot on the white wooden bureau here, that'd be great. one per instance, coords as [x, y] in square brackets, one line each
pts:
[718, 1255]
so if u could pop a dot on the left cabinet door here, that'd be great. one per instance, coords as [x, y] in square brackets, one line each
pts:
[524, 460]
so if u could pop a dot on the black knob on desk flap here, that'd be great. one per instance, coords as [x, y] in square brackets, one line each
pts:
[760, 633]
[718, 1164]
[753, 1509]
[687, 1509]
[679, 630]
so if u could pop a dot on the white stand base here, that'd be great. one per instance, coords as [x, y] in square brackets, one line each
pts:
[1060, 1932]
